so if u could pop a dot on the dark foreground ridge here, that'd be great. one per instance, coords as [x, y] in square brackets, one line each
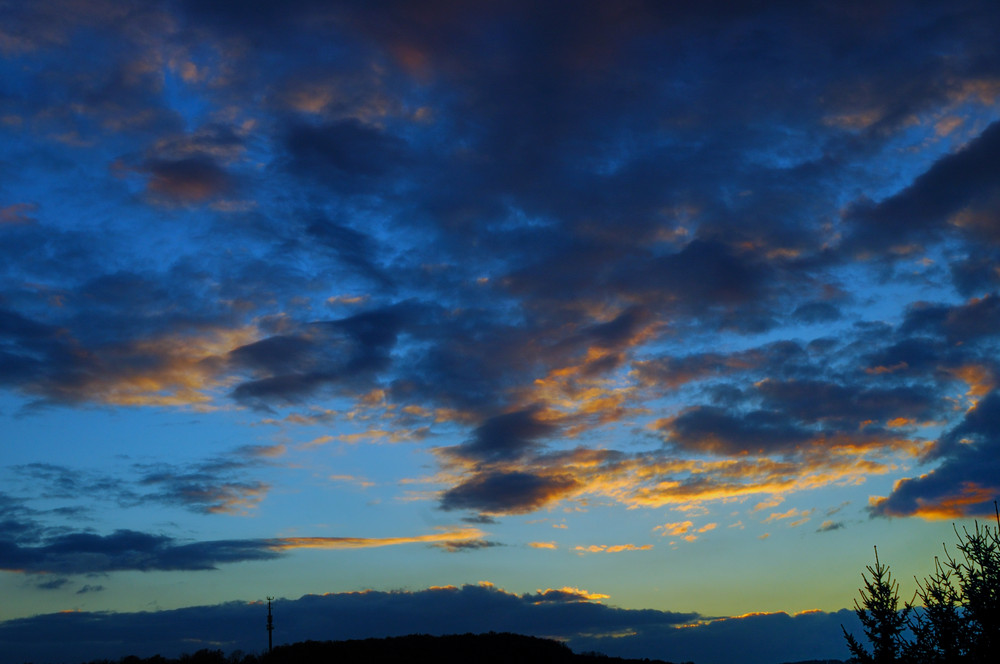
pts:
[490, 648]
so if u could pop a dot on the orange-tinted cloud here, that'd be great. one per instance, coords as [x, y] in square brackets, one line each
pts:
[966, 500]
[443, 537]
[611, 548]
[567, 594]
[18, 213]
[176, 370]
[674, 529]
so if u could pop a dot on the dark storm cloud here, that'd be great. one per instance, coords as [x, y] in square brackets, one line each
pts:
[507, 492]
[565, 614]
[967, 480]
[966, 182]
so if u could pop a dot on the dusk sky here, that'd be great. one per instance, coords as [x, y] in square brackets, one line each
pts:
[634, 324]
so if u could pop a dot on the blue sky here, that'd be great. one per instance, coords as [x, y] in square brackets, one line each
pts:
[633, 313]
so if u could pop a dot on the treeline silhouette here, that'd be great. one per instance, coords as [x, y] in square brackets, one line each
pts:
[954, 617]
[490, 648]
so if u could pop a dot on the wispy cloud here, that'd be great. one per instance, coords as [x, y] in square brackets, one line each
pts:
[611, 548]
[33, 549]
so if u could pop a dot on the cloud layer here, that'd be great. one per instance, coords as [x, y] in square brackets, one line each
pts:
[569, 614]
[688, 257]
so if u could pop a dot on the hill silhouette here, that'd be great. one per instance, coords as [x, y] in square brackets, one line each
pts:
[489, 648]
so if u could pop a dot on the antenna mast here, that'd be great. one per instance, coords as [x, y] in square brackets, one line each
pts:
[270, 624]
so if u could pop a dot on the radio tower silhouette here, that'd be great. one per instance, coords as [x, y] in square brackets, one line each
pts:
[270, 625]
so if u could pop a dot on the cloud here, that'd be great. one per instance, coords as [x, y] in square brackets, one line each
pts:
[959, 190]
[34, 550]
[456, 546]
[552, 237]
[52, 584]
[813, 401]
[564, 594]
[507, 492]
[684, 529]
[217, 485]
[677, 370]
[85, 553]
[357, 250]
[816, 312]
[449, 539]
[347, 157]
[343, 352]
[576, 616]
[213, 486]
[505, 437]
[47, 362]
[965, 483]
[800, 516]
[674, 529]
[193, 179]
[970, 322]
[711, 429]
[611, 548]
[18, 213]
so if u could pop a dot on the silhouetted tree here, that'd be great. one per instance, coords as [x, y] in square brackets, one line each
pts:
[881, 617]
[977, 575]
[959, 620]
[940, 631]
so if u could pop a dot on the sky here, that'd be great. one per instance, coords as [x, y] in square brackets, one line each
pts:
[634, 324]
